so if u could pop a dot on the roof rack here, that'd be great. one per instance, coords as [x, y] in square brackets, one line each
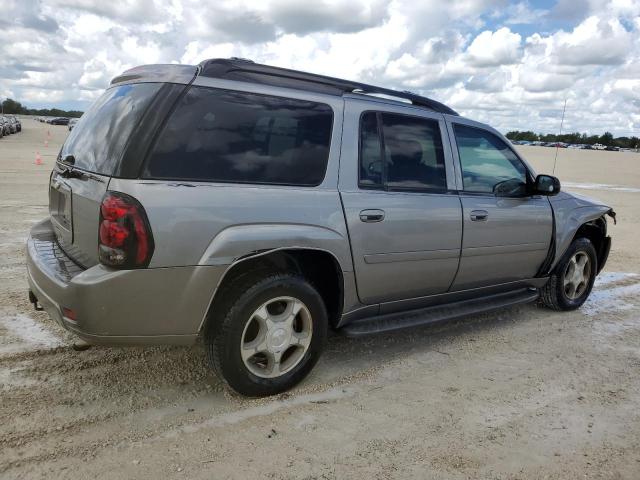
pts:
[247, 71]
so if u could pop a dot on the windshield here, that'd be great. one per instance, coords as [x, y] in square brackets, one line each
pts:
[98, 139]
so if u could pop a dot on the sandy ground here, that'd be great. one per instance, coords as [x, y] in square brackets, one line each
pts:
[525, 393]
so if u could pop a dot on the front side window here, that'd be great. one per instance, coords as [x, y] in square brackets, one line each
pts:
[488, 164]
[401, 152]
[225, 136]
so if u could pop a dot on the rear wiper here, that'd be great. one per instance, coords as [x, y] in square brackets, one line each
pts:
[70, 172]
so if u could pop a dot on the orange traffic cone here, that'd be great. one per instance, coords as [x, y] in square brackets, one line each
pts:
[46, 143]
[38, 159]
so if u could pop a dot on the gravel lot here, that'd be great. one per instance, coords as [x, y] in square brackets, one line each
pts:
[523, 393]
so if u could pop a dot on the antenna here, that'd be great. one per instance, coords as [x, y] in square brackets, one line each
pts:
[557, 147]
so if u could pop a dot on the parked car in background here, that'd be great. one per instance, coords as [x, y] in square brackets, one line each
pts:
[72, 123]
[6, 125]
[598, 146]
[60, 121]
[613, 148]
[15, 121]
[256, 208]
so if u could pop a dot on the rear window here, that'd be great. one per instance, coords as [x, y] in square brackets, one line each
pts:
[223, 136]
[98, 139]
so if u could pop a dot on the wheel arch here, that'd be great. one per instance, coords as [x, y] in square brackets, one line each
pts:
[321, 267]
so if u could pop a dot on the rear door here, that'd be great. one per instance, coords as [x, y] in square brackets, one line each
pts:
[507, 232]
[89, 157]
[403, 217]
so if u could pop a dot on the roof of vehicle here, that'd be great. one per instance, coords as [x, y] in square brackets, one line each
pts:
[248, 71]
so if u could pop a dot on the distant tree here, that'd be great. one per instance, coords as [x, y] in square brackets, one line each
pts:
[606, 139]
[516, 135]
[548, 137]
[11, 106]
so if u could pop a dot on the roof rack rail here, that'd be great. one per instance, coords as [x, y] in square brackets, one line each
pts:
[247, 71]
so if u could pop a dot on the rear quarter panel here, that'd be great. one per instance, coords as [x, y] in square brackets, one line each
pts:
[215, 224]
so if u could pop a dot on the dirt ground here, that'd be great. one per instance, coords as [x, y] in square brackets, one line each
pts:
[525, 393]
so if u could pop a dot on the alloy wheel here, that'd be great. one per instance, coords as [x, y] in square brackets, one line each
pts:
[577, 275]
[276, 337]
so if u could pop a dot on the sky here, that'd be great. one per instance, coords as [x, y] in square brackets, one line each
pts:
[509, 64]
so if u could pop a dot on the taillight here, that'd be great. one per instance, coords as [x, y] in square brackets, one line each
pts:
[124, 236]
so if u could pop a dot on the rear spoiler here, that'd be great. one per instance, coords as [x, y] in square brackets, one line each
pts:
[171, 73]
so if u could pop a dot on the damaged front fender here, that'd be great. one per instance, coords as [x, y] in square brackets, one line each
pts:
[574, 212]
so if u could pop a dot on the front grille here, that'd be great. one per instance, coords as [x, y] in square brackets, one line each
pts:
[53, 257]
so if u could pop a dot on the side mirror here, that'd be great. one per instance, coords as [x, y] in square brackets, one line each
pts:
[546, 185]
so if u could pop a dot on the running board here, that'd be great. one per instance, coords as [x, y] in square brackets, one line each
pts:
[438, 313]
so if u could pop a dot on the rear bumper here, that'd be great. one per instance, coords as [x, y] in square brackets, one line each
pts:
[123, 307]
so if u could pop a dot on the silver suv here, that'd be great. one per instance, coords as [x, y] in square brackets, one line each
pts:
[256, 208]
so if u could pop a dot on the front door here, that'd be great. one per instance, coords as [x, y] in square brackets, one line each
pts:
[404, 221]
[507, 232]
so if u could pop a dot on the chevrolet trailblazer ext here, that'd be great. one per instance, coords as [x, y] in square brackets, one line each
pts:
[257, 207]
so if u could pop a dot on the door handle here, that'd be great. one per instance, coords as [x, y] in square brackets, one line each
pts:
[479, 215]
[371, 216]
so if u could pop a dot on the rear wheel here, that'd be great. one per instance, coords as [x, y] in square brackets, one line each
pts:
[268, 335]
[572, 280]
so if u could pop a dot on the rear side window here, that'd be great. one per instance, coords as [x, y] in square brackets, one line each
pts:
[401, 152]
[98, 139]
[223, 136]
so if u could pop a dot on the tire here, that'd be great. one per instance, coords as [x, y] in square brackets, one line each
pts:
[261, 311]
[557, 293]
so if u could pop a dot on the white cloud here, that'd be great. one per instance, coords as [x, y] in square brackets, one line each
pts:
[596, 41]
[480, 57]
[490, 49]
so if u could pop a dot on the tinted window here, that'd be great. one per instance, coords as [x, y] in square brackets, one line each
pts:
[223, 136]
[413, 154]
[98, 139]
[486, 160]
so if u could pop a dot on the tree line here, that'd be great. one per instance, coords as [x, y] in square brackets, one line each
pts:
[576, 138]
[10, 106]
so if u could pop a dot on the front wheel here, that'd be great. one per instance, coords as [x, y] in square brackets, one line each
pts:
[269, 336]
[572, 280]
